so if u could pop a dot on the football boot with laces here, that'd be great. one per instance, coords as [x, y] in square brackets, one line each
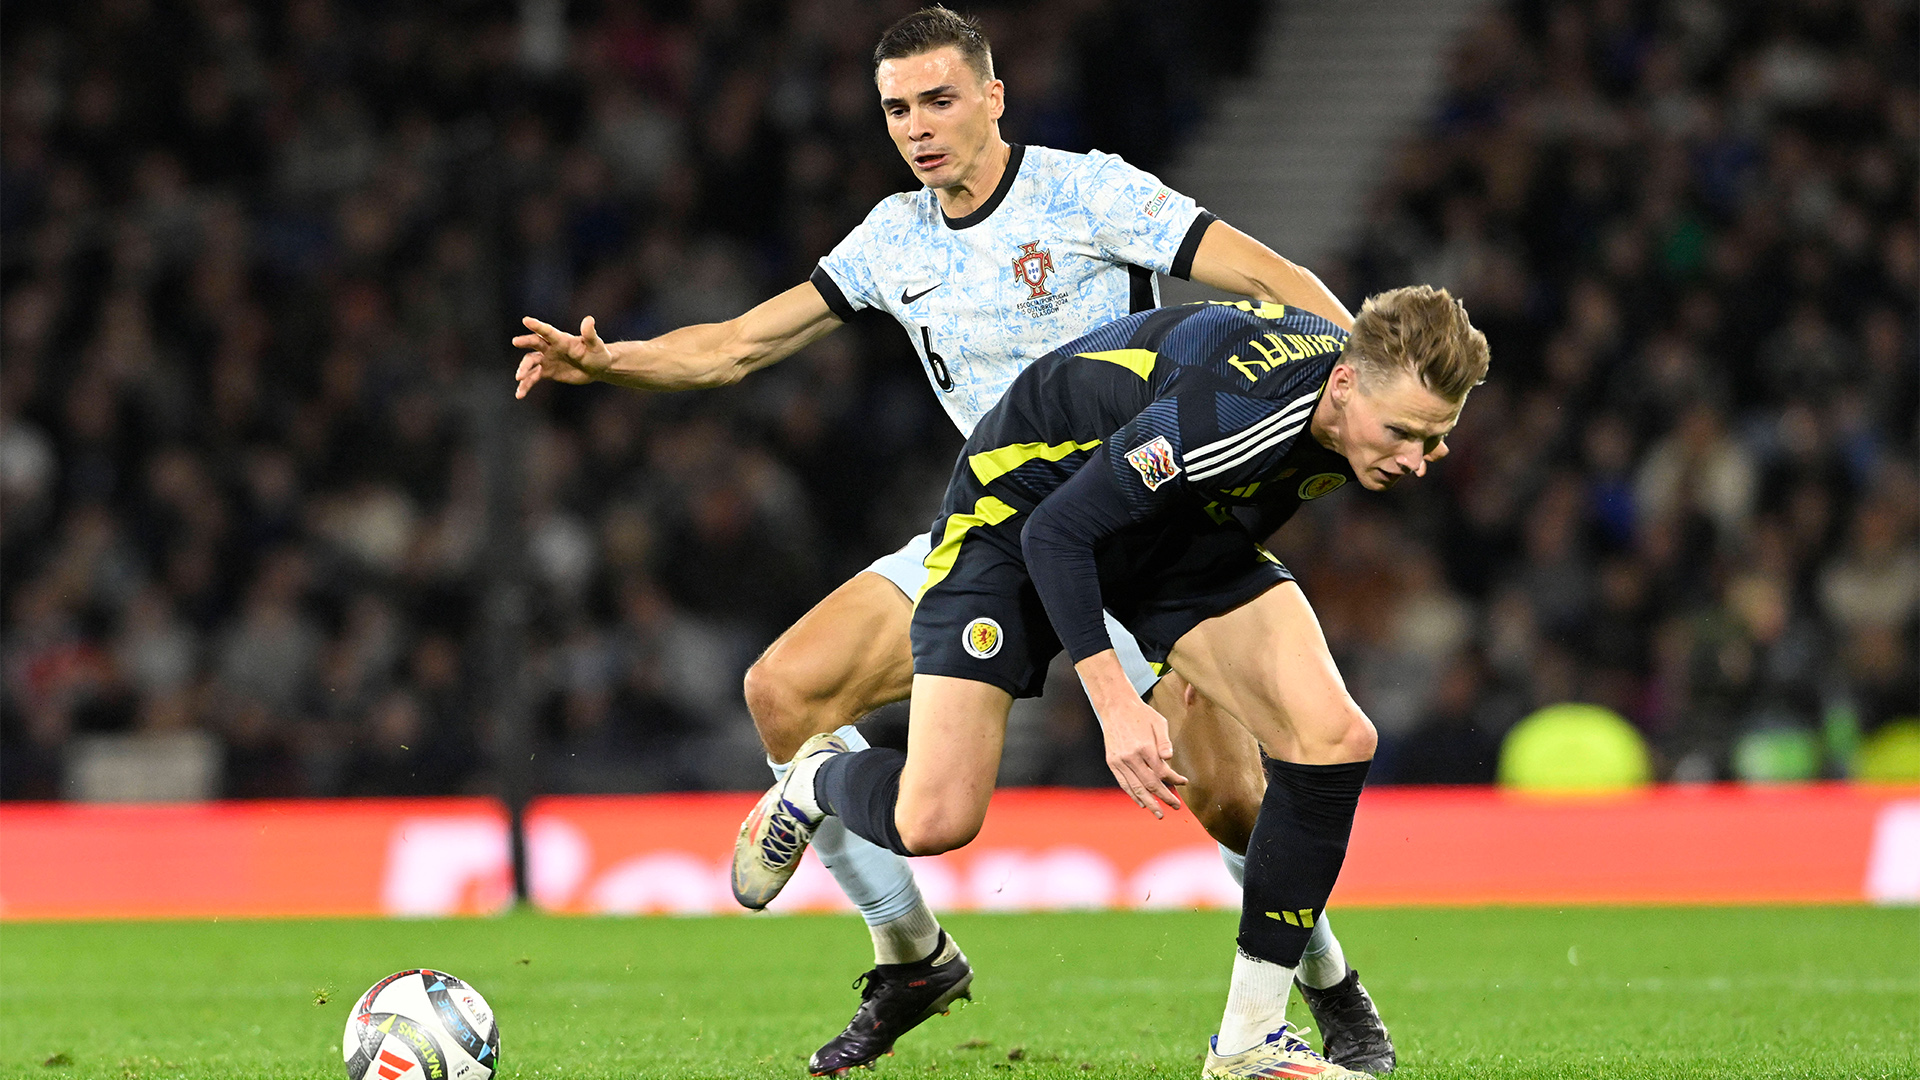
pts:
[776, 833]
[1280, 1056]
[1350, 1026]
[895, 999]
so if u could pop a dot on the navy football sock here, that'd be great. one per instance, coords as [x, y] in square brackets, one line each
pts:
[1299, 841]
[861, 789]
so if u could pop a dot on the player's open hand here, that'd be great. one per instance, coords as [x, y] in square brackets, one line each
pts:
[1138, 751]
[554, 354]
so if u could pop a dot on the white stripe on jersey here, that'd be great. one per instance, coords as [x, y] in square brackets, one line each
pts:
[1216, 457]
[1252, 452]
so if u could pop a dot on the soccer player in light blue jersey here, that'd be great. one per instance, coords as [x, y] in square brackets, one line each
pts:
[1004, 253]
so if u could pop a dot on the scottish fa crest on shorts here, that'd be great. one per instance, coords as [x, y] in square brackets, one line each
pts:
[1319, 484]
[982, 638]
[1154, 462]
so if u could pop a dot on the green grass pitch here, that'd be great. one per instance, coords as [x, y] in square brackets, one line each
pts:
[1494, 993]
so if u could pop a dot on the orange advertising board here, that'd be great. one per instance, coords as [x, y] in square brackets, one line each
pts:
[267, 858]
[1674, 845]
[1040, 850]
[1051, 849]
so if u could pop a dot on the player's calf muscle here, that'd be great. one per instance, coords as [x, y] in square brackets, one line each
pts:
[1220, 760]
[1226, 813]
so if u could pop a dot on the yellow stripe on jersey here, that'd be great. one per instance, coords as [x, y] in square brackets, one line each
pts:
[1138, 361]
[998, 462]
[939, 561]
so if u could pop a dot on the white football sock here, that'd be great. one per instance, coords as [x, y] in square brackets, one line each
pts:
[879, 882]
[1325, 963]
[1256, 1004]
[908, 939]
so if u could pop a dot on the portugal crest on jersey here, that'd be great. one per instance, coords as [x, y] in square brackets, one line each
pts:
[1154, 462]
[1032, 266]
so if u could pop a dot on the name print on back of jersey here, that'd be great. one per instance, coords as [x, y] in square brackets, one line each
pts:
[1031, 268]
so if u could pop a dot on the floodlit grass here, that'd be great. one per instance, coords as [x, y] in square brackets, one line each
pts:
[1494, 993]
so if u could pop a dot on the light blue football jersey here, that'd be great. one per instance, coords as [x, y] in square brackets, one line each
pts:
[1066, 243]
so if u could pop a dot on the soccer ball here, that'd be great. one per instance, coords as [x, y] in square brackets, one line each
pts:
[421, 1025]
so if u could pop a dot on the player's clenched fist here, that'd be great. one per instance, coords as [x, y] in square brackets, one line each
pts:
[560, 356]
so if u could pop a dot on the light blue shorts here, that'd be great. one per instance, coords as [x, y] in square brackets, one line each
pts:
[907, 570]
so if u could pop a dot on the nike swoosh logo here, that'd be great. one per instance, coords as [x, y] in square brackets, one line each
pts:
[908, 298]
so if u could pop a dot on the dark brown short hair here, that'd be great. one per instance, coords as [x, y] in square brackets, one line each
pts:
[1424, 332]
[936, 28]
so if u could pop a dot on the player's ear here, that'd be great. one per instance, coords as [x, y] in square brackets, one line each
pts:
[996, 99]
[1342, 382]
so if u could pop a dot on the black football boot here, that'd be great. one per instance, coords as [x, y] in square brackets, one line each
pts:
[1355, 1038]
[894, 1001]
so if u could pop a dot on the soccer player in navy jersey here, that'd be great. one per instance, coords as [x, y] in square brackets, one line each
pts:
[1005, 252]
[1132, 472]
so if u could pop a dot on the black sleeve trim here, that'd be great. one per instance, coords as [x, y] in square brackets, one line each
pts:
[1190, 246]
[1139, 289]
[830, 292]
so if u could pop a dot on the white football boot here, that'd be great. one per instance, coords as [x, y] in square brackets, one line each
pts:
[1280, 1056]
[777, 832]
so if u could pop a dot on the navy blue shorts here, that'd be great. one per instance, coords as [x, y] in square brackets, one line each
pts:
[980, 617]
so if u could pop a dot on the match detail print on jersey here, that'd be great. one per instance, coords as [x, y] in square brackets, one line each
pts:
[1032, 268]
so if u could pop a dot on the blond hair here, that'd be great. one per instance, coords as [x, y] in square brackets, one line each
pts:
[1422, 331]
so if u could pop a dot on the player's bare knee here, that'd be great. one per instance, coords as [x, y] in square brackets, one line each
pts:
[779, 709]
[1332, 738]
[1357, 739]
[937, 830]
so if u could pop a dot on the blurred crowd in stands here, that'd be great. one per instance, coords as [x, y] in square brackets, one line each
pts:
[259, 264]
[1688, 491]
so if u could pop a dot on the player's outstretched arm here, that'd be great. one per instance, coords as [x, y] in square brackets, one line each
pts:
[690, 358]
[1234, 262]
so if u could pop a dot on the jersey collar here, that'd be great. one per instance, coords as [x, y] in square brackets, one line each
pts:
[987, 208]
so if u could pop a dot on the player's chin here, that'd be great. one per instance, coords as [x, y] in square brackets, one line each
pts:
[1380, 480]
